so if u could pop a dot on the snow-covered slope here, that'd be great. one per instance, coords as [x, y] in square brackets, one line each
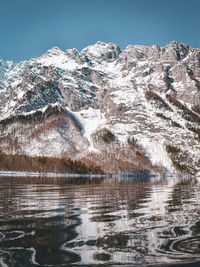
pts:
[137, 108]
[5, 67]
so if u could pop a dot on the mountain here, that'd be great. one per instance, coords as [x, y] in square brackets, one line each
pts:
[125, 110]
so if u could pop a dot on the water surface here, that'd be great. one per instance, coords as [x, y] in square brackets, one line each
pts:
[99, 221]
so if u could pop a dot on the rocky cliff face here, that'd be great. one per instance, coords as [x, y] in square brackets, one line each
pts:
[131, 109]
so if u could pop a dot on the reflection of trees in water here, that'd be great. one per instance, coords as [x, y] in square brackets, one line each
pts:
[133, 217]
[172, 234]
[106, 223]
[51, 209]
[117, 195]
[45, 218]
[97, 220]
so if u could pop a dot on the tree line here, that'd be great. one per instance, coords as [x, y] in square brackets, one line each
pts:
[45, 164]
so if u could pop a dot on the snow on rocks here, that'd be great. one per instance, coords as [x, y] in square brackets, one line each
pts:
[91, 120]
[105, 87]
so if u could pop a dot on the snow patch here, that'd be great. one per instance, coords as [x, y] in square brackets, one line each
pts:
[156, 152]
[58, 59]
[91, 120]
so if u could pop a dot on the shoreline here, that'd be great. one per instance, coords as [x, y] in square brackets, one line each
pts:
[48, 174]
[74, 175]
[90, 175]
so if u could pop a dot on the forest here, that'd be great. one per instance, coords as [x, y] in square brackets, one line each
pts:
[45, 164]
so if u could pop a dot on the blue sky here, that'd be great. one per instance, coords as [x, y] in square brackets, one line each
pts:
[29, 27]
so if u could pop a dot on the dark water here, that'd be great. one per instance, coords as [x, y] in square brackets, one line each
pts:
[102, 221]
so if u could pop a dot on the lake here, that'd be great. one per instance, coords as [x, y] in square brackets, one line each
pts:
[99, 221]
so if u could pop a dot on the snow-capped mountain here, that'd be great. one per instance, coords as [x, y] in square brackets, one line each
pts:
[137, 108]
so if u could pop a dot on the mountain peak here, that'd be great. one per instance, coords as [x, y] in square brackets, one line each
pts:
[54, 51]
[100, 43]
[174, 42]
[177, 45]
[102, 51]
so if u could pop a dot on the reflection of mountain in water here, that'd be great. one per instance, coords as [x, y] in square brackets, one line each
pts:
[127, 221]
[96, 221]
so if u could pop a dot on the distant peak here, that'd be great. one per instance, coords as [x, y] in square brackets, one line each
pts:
[108, 45]
[174, 42]
[100, 43]
[177, 44]
[102, 51]
[72, 51]
[54, 50]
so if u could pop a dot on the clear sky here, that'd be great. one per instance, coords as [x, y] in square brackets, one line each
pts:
[29, 27]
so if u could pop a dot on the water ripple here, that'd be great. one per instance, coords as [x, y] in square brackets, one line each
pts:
[52, 222]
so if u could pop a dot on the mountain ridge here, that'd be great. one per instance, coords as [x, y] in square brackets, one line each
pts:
[64, 103]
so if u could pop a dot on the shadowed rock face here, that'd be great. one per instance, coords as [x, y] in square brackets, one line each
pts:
[147, 94]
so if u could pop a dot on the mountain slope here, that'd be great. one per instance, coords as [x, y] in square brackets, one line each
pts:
[131, 109]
